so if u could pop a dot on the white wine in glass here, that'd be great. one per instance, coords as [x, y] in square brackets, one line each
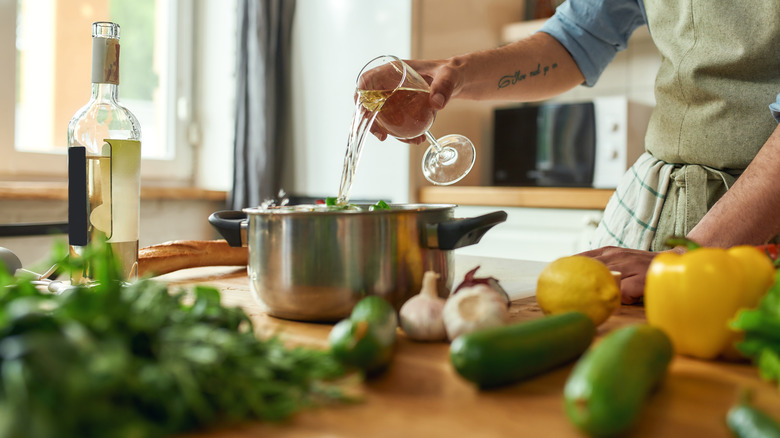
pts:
[407, 114]
[397, 98]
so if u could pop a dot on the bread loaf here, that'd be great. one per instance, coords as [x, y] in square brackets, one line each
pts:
[181, 254]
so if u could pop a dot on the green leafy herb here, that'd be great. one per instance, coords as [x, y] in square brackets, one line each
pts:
[762, 333]
[689, 244]
[332, 203]
[135, 360]
[380, 205]
[744, 419]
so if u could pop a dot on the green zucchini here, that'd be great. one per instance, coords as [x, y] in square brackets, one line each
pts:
[608, 386]
[511, 353]
[366, 339]
[747, 421]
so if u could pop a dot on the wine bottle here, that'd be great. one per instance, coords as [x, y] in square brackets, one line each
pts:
[104, 157]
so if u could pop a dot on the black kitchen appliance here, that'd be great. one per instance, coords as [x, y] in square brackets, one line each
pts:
[549, 144]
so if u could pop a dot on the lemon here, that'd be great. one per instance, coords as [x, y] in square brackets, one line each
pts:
[578, 283]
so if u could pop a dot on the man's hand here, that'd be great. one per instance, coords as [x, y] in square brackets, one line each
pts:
[444, 76]
[632, 265]
[477, 75]
[441, 78]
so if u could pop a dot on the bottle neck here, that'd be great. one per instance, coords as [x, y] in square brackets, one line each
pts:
[105, 91]
[105, 60]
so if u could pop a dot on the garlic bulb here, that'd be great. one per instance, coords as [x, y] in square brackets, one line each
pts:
[421, 315]
[474, 308]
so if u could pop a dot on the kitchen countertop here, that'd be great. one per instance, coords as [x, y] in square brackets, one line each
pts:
[533, 197]
[422, 396]
[58, 191]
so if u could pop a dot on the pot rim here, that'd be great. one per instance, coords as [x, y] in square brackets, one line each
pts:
[321, 210]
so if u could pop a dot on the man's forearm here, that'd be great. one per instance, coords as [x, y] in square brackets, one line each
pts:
[749, 213]
[533, 69]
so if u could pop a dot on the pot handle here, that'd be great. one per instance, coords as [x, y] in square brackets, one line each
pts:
[462, 232]
[232, 225]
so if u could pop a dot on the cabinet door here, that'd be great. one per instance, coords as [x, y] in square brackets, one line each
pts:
[541, 234]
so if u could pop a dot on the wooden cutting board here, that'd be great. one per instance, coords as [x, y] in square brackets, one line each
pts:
[422, 396]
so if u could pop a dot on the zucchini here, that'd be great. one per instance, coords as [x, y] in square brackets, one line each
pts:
[366, 339]
[511, 353]
[608, 386]
[747, 421]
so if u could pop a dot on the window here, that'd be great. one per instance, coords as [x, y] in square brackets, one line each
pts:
[49, 45]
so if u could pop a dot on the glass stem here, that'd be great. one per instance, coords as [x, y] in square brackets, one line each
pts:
[432, 140]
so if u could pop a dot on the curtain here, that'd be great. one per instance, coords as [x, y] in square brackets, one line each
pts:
[262, 76]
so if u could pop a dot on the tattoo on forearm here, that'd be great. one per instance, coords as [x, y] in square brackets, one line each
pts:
[518, 76]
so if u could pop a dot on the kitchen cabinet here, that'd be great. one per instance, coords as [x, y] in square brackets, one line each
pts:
[538, 197]
[539, 234]
[543, 223]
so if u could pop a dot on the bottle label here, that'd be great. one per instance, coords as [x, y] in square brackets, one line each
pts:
[104, 192]
[77, 196]
[125, 188]
[105, 61]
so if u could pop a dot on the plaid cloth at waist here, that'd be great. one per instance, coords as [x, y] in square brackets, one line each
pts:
[656, 200]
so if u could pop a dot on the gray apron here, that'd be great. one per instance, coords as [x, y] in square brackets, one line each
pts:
[720, 69]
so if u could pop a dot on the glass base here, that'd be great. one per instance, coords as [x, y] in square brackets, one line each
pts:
[449, 163]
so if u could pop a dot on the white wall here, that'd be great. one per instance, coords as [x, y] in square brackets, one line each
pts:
[332, 40]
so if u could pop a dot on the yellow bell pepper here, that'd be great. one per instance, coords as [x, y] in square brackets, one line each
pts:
[692, 296]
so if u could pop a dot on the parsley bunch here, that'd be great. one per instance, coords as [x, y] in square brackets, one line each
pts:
[762, 333]
[134, 360]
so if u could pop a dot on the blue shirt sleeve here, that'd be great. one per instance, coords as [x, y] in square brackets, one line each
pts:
[775, 108]
[594, 31]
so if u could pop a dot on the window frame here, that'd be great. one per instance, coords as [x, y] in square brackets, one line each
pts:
[46, 166]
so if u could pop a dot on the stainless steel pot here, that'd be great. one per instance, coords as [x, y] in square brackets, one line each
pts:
[315, 265]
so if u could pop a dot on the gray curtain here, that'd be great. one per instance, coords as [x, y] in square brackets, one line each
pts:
[263, 76]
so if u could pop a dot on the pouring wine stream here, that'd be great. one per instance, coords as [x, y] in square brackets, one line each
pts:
[396, 97]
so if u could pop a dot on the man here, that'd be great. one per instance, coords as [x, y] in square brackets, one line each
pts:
[712, 167]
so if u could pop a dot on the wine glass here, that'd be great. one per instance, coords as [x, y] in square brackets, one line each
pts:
[399, 96]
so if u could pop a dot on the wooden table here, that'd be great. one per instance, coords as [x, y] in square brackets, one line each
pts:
[422, 396]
